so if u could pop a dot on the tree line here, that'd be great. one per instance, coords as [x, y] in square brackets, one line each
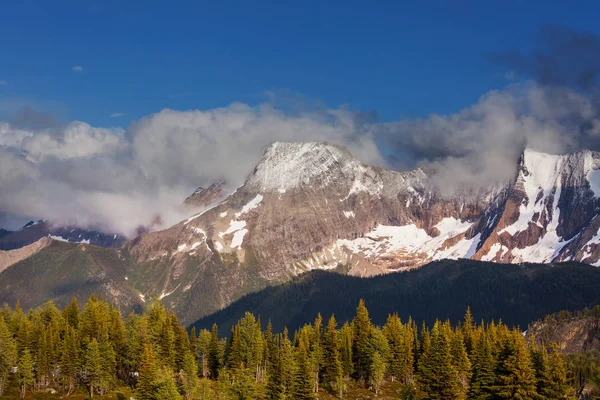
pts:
[94, 349]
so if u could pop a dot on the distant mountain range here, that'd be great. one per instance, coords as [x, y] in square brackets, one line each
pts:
[36, 230]
[313, 206]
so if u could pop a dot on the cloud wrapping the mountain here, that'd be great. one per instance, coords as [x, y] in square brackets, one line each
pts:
[481, 144]
[117, 180]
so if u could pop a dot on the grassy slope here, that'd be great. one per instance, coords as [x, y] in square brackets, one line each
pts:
[63, 270]
[517, 294]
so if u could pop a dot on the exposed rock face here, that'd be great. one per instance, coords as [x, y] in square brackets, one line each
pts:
[573, 334]
[205, 197]
[35, 230]
[313, 206]
[550, 211]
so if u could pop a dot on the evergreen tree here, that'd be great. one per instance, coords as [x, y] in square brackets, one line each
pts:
[468, 328]
[69, 357]
[362, 350]
[189, 375]
[8, 353]
[460, 359]
[515, 373]
[93, 366]
[437, 376]
[71, 314]
[554, 380]
[214, 361]
[333, 374]
[378, 369]
[484, 377]
[287, 364]
[303, 379]
[25, 372]
[346, 350]
[148, 374]
[166, 387]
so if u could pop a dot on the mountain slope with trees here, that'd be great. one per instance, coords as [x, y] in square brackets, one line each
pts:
[517, 294]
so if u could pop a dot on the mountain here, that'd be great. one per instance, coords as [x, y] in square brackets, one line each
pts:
[4, 232]
[574, 332]
[59, 271]
[313, 206]
[206, 197]
[517, 294]
[35, 230]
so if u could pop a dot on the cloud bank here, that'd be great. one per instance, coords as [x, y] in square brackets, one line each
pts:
[119, 179]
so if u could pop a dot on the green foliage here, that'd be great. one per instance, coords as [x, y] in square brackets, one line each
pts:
[96, 350]
[25, 378]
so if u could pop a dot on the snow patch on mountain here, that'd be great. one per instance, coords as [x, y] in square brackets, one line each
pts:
[252, 204]
[238, 238]
[541, 175]
[409, 239]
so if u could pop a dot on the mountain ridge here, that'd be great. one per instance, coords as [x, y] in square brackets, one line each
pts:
[310, 206]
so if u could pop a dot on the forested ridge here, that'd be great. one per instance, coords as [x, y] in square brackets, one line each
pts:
[519, 294]
[96, 351]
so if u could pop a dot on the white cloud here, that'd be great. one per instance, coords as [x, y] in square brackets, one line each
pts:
[77, 68]
[116, 115]
[122, 179]
[480, 145]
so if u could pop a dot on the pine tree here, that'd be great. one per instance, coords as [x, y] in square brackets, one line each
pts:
[189, 375]
[460, 359]
[25, 372]
[71, 314]
[69, 357]
[362, 351]
[214, 361]
[303, 379]
[333, 374]
[166, 387]
[468, 328]
[287, 364]
[8, 353]
[515, 373]
[437, 376]
[554, 379]
[484, 377]
[378, 369]
[93, 366]
[346, 350]
[316, 351]
[148, 374]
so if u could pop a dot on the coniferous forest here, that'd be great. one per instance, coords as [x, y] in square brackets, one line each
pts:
[93, 351]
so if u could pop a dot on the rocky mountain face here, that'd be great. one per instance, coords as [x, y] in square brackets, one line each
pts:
[206, 197]
[573, 332]
[313, 206]
[36, 230]
[310, 206]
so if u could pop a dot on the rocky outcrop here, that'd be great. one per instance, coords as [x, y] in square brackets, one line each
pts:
[205, 197]
[572, 332]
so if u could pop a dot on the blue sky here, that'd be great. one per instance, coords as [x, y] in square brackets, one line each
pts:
[398, 59]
